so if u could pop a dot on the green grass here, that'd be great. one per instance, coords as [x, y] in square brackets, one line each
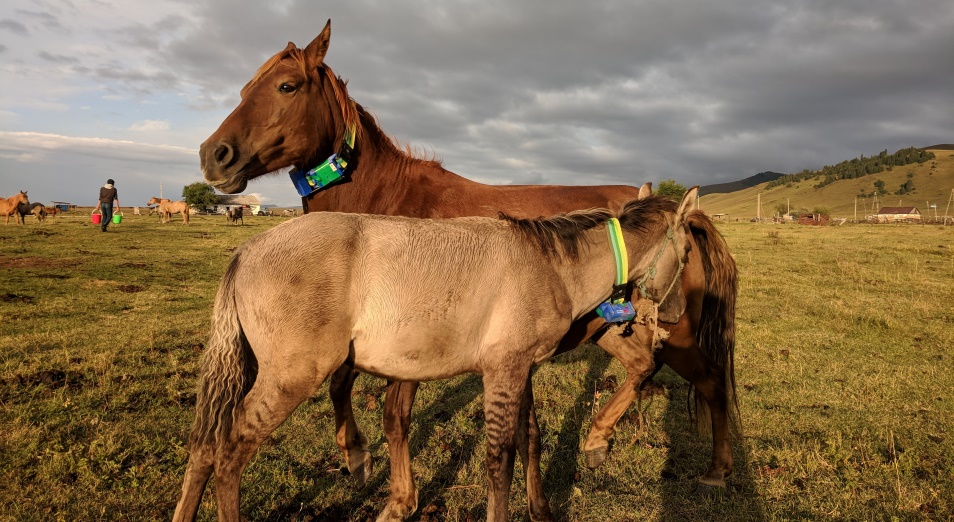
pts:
[844, 369]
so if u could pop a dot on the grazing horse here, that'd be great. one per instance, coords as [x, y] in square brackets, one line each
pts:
[296, 111]
[168, 208]
[37, 209]
[233, 215]
[9, 206]
[415, 299]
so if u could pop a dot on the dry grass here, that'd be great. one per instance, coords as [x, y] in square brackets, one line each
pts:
[843, 358]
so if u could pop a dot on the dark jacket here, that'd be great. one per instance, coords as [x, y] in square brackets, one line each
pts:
[107, 195]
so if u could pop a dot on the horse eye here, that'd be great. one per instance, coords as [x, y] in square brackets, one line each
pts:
[287, 88]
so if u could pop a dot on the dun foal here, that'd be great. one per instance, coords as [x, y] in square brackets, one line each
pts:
[412, 299]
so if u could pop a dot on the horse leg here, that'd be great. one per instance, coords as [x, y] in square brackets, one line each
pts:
[634, 352]
[198, 471]
[399, 399]
[351, 441]
[270, 401]
[685, 357]
[503, 394]
[528, 446]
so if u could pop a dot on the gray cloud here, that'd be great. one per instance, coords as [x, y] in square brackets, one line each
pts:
[595, 92]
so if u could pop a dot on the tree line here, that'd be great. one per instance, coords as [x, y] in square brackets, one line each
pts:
[856, 168]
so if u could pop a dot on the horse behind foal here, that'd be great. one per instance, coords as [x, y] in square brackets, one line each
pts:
[10, 205]
[168, 208]
[234, 215]
[37, 209]
[410, 299]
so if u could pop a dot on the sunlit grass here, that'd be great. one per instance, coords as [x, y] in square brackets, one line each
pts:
[843, 362]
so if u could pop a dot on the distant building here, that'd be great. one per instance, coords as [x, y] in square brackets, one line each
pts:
[813, 219]
[240, 200]
[62, 206]
[898, 215]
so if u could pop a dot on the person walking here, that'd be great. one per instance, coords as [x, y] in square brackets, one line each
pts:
[107, 195]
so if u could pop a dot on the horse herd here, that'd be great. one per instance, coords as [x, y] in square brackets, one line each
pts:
[19, 207]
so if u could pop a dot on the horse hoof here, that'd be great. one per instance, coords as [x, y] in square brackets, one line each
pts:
[709, 487]
[395, 512]
[360, 467]
[596, 456]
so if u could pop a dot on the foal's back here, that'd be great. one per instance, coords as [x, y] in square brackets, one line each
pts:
[427, 293]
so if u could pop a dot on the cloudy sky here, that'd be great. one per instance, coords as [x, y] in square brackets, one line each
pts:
[503, 92]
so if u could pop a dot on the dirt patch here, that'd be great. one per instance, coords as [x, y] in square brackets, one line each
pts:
[53, 379]
[16, 298]
[53, 276]
[36, 262]
[130, 289]
[132, 265]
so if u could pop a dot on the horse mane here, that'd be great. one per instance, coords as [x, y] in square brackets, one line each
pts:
[563, 230]
[352, 113]
[340, 86]
[642, 215]
[567, 230]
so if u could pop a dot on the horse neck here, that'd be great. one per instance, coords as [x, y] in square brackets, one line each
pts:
[385, 179]
[589, 278]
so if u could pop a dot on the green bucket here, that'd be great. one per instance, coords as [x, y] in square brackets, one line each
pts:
[118, 218]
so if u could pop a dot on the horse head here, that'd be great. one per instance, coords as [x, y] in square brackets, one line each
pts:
[153, 201]
[22, 198]
[293, 111]
[657, 272]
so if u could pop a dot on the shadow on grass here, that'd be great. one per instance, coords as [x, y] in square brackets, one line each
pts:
[365, 503]
[689, 456]
[560, 472]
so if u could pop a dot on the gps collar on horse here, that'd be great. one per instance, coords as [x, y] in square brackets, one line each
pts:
[617, 309]
[308, 182]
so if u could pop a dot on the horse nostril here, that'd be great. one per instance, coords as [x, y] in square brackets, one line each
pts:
[224, 154]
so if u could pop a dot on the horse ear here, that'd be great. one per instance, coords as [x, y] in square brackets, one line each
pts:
[689, 202]
[646, 190]
[316, 50]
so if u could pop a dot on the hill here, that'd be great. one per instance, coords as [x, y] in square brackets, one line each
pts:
[932, 181]
[732, 186]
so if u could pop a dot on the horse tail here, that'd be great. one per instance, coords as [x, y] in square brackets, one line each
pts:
[716, 333]
[228, 369]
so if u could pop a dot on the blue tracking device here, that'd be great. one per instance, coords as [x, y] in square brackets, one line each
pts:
[616, 312]
[308, 181]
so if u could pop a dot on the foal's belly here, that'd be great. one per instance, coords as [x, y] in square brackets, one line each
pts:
[407, 360]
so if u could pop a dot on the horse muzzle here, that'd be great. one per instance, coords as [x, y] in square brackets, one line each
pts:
[218, 161]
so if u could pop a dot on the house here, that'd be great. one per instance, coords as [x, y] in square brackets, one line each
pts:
[240, 200]
[898, 215]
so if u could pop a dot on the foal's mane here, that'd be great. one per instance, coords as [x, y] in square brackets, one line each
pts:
[567, 231]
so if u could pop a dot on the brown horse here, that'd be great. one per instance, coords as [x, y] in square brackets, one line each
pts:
[308, 112]
[414, 299]
[167, 208]
[9, 206]
[37, 209]
[234, 215]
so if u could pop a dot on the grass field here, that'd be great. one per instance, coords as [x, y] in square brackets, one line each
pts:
[844, 366]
